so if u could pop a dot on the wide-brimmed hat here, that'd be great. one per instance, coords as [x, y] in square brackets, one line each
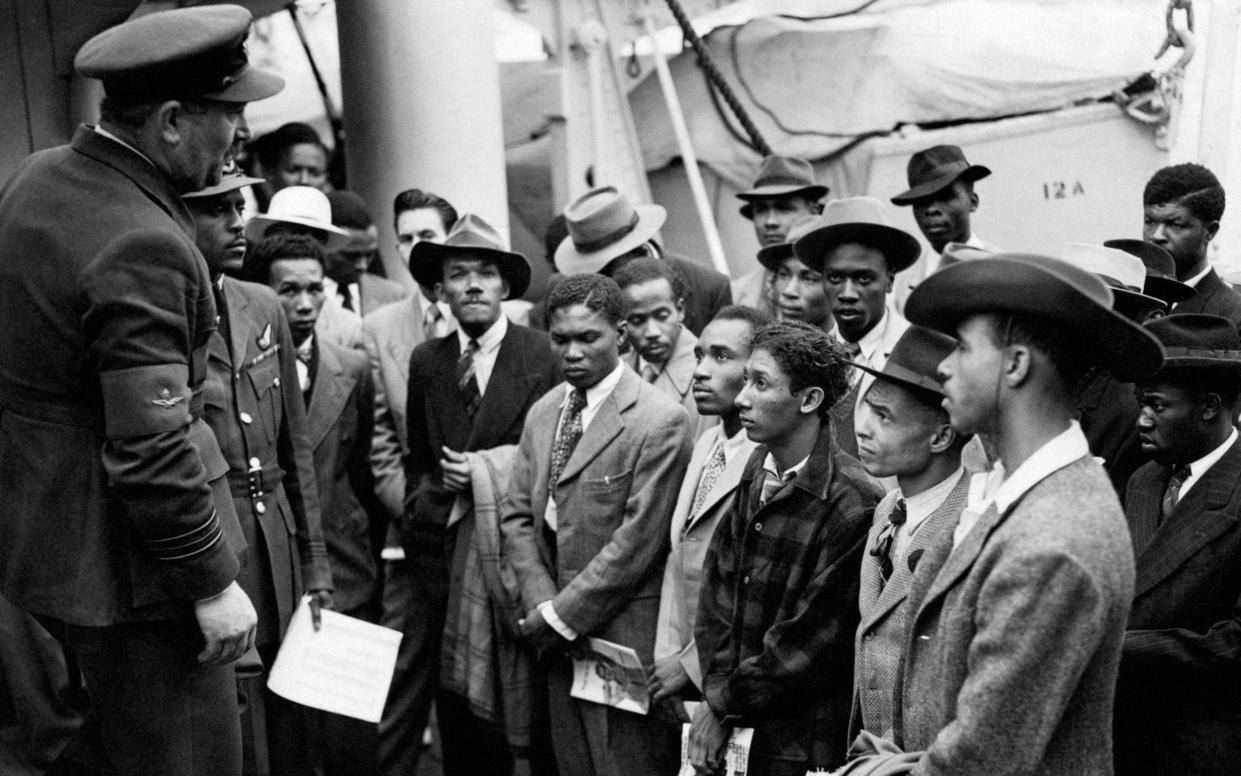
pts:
[1197, 340]
[936, 168]
[471, 236]
[955, 253]
[772, 256]
[604, 224]
[228, 182]
[302, 206]
[1123, 272]
[861, 220]
[186, 52]
[1161, 279]
[914, 360]
[1040, 286]
[782, 176]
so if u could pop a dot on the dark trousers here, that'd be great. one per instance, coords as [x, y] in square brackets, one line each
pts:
[416, 610]
[346, 746]
[275, 735]
[470, 746]
[157, 710]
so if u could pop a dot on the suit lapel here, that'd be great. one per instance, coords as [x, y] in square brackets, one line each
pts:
[405, 338]
[1142, 507]
[729, 480]
[505, 396]
[332, 389]
[1196, 521]
[606, 425]
[678, 375]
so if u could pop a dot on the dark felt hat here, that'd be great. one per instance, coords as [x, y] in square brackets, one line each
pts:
[782, 176]
[862, 220]
[178, 54]
[1197, 340]
[1040, 286]
[914, 360]
[936, 168]
[772, 256]
[1161, 279]
[472, 236]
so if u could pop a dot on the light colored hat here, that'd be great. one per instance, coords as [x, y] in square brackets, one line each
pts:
[1124, 272]
[228, 182]
[861, 220]
[302, 206]
[1161, 279]
[604, 224]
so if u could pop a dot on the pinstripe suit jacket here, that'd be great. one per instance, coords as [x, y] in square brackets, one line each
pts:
[881, 635]
[1178, 706]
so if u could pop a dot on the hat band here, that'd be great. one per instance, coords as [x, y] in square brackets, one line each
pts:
[939, 171]
[782, 180]
[611, 238]
[1114, 283]
[1190, 351]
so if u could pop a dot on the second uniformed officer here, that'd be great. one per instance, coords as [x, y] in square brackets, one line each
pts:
[254, 406]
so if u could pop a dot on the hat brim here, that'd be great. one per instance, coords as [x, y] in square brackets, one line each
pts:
[972, 173]
[900, 248]
[223, 187]
[1169, 290]
[256, 230]
[426, 264]
[1200, 358]
[772, 256]
[814, 192]
[252, 85]
[571, 261]
[1001, 286]
[1133, 305]
[906, 378]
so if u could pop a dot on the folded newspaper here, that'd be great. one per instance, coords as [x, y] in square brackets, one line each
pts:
[611, 675]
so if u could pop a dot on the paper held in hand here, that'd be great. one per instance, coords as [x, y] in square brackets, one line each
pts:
[736, 752]
[611, 675]
[345, 667]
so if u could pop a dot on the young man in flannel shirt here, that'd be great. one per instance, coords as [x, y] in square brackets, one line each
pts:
[778, 607]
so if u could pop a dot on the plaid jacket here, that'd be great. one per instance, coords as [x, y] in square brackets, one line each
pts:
[778, 608]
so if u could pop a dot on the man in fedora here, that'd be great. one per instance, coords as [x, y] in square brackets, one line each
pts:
[1161, 281]
[1178, 698]
[797, 290]
[606, 231]
[903, 432]
[585, 525]
[307, 211]
[1016, 617]
[469, 393]
[119, 532]
[784, 190]
[941, 193]
[357, 288]
[1106, 407]
[1181, 209]
[858, 252]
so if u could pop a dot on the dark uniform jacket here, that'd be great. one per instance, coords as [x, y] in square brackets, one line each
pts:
[106, 468]
[254, 406]
[1178, 698]
[340, 418]
[778, 609]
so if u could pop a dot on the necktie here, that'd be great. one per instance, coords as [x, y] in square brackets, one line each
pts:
[772, 484]
[1172, 494]
[852, 348]
[710, 475]
[305, 354]
[221, 317]
[430, 319]
[567, 437]
[649, 373]
[346, 299]
[883, 547]
[467, 382]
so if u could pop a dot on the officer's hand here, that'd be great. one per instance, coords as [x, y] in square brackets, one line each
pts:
[227, 622]
[707, 738]
[456, 471]
[667, 678]
[319, 600]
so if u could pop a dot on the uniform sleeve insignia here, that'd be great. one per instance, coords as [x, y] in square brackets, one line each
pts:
[167, 400]
[264, 340]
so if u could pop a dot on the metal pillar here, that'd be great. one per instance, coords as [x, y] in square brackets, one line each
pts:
[422, 108]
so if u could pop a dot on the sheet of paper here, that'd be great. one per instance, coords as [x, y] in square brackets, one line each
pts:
[613, 676]
[345, 667]
[736, 754]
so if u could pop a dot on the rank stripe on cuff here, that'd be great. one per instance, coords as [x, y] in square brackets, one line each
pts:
[190, 543]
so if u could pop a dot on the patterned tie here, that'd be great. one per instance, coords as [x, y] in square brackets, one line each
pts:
[567, 437]
[649, 373]
[772, 484]
[305, 355]
[467, 381]
[1172, 494]
[710, 475]
[883, 547]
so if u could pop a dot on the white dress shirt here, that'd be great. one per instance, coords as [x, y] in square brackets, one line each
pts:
[918, 508]
[1203, 464]
[488, 349]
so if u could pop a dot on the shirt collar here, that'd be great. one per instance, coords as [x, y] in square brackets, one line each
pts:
[1053, 456]
[491, 338]
[601, 390]
[921, 506]
[872, 339]
[101, 131]
[1203, 464]
[307, 348]
[769, 464]
[732, 445]
[1196, 279]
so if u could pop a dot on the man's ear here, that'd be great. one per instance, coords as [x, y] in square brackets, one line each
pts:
[167, 120]
[943, 438]
[1212, 405]
[973, 201]
[1015, 364]
[811, 400]
[891, 281]
[1211, 230]
[504, 288]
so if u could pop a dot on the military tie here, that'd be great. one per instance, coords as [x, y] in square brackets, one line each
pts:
[710, 476]
[467, 381]
[221, 316]
[887, 538]
[567, 436]
[772, 484]
[1172, 494]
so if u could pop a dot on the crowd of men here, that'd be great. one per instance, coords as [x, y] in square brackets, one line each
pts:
[964, 511]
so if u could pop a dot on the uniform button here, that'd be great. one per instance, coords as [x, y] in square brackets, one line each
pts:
[255, 463]
[758, 527]
[746, 580]
[275, 381]
[261, 508]
[245, 418]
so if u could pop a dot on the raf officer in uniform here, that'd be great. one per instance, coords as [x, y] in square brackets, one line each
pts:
[118, 530]
[255, 409]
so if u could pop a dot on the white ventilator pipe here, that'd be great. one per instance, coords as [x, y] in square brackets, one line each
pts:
[714, 246]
